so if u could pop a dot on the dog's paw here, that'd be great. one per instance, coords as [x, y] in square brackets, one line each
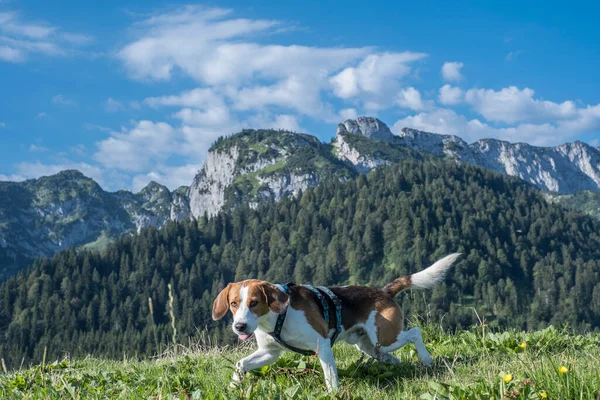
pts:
[427, 360]
[236, 380]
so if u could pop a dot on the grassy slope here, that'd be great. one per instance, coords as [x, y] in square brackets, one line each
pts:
[586, 202]
[466, 367]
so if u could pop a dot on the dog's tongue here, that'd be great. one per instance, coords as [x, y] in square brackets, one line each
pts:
[243, 336]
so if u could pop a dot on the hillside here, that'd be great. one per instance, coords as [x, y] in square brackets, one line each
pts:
[40, 217]
[467, 365]
[528, 263]
[587, 202]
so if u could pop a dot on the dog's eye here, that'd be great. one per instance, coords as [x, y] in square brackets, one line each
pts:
[253, 303]
[233, 304]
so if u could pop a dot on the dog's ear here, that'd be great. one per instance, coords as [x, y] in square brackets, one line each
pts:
[221, 304]
[277, 300]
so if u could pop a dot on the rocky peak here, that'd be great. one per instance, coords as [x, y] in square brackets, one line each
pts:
[260, 165]
[154, 187]
[369, 127]
[567, 168]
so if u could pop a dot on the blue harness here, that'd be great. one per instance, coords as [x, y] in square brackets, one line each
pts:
[276, 334]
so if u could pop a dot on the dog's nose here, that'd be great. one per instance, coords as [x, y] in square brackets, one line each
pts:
[240, 327]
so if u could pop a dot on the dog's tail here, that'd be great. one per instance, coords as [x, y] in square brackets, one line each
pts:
[425, 279]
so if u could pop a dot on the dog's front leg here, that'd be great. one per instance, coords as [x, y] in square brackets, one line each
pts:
[259, 358]
[328, 363]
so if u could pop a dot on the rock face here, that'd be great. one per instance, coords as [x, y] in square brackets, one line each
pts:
[41, 216]
[348, 151]
[261, 165]
[369, 127]
[207, 191]
[568, 168]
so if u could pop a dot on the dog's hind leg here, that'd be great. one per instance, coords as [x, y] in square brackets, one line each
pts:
[325, 355]
[365, 346]
[411, 336]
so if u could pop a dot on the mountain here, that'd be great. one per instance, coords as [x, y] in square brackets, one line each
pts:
[527, 263]
[39, 217]
[567, 169]
[254, 166]
[261, 165]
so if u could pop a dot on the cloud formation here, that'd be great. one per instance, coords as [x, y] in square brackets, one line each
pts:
[61, 100]
[20, 39]
[220, 52]
[450, 95]
[411, 98]
[451, 71]
[512, 105]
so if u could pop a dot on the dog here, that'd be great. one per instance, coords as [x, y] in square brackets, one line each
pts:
[369, 318]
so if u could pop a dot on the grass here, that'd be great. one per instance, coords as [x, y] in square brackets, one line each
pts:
[467, 365]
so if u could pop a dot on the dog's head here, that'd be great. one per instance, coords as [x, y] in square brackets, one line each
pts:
[248, 301]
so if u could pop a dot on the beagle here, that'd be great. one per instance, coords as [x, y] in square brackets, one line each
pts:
[370, 319]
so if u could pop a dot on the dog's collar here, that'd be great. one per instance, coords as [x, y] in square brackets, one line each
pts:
[276, 334]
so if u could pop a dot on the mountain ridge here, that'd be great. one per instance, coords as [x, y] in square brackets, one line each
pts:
[41, 216]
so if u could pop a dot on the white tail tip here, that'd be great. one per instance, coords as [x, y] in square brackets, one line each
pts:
[434, 274]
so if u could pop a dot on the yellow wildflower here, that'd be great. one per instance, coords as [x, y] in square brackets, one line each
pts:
[563, 369]
[544, 395]
[507, 378]
[523, 345]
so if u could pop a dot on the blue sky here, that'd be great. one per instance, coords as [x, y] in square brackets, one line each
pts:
[129, 92]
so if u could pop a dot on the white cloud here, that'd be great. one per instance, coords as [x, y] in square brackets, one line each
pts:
[214, 116]
[411, 98]
[10, 23]
[2, 124]
[512, 105]
[450, 95]
[287, 122]
[348, 113]
[284, 121]
[376, 73]
[138, 148]
[216, 49]
[208, 45]
[198, 98]
[172, 177]
[451, 71]
[41, 115]
[19, 39]
[35, 148]
[294, 93]
[112, 105]
[447, 121]
[11, 55]
[444, 121]
[61, 100]
[11, 178]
